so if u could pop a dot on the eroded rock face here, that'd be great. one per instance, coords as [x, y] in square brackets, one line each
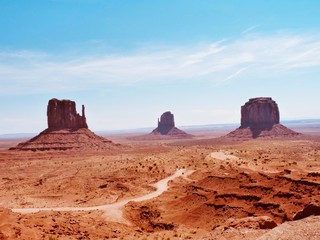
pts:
[260, 222]
[166, 123]
[166, 128]
[62, 114]
[260, 117]
[67, 130]
[309, 210]
[259, 113]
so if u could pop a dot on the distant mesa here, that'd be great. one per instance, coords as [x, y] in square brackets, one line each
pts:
[67, 130]
[165, 124]
[167, 127]
[260, 117]
[261, 113]
[166, 130]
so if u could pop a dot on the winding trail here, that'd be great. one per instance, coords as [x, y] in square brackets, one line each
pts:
[113, 211]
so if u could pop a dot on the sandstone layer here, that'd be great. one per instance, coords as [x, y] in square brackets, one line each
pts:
[67, 130]
[260, 117]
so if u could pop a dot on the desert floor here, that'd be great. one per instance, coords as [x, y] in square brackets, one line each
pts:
[229, 189]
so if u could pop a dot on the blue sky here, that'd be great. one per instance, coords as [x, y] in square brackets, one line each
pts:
[130, 61]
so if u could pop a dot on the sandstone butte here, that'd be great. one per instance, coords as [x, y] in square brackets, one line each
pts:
[166, 127]
[260, 117]
[66, 130]
[62, 114]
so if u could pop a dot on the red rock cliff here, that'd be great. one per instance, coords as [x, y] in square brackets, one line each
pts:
[259, 113]
[62, 114]
[166, 122]
[260, 118]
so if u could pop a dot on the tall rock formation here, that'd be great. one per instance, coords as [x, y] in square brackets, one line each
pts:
[62, 114]
[260, 113]
[166, 123]
[67, 130]
[260, 117]
[166, 127]
[166, 130]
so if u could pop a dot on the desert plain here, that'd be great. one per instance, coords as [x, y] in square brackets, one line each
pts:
[226, 189]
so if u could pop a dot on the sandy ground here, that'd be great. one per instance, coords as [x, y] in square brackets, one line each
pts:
[114, 212]
[236, 190]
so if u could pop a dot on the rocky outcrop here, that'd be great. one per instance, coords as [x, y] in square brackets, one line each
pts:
[67, 130]
[166, 130]
[166, 123]
[259, 222]
[62, 114]
[260, 113]
[260, 117]
[167, 127]
[309, 210]
[307, 228]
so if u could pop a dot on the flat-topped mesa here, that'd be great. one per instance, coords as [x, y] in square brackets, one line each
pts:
[260, 113]
[62, 114]
[166, 123]
[260, 118]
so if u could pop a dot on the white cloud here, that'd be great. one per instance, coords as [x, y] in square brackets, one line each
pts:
[33, 72]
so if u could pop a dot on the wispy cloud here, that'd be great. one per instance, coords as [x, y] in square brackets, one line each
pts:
[233, 75]
[31, 72]
[250, 29]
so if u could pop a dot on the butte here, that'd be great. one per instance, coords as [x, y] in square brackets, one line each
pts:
[166, 127]
[166, 130]
[260, 117]
[67, 130]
